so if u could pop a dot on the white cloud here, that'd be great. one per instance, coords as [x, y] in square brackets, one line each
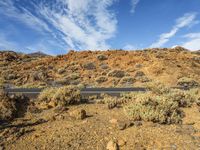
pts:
[86, 24]
[129, 47]
[185, 21]
[193, 42]
[134, 3]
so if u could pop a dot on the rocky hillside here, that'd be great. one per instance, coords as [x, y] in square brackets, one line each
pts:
[112, 68]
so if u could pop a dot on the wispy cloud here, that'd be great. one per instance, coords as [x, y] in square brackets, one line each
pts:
[7, 45]
[185, 21]
[129, 47]
[86, 24]
[193, 41]
[134, 3]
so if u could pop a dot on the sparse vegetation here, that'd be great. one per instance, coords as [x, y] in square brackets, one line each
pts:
[101, 79]
[89, 66]
[63, 96]
[116, 73]
[150, 107]
[187, 82]
[12, 106]
[102, 57]
[161, 104]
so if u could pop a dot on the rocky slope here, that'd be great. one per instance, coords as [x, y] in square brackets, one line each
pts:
[100, 68]
[61, 119]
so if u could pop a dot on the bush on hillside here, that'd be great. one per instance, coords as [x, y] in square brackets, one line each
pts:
[89, 66]
[101, 79]
[102, 57]
[157, 88]
[161, 104]
[187, 82]
[116, 73]
[150, 107]
[12, 106]
[63, 96]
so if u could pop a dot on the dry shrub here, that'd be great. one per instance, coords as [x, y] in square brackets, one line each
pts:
[157, 88]
[195, 94]
[161, 104]
[63, 96]
[187, 82]
[183, 98]
[12, 106]
[151, 107]
[112, 101]
[7, 107]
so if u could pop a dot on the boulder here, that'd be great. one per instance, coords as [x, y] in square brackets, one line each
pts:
[79, 114]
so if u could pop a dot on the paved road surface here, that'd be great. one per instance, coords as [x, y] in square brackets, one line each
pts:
[33, 93]
[84, 92]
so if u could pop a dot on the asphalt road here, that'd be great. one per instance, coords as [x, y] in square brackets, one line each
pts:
[32, 93]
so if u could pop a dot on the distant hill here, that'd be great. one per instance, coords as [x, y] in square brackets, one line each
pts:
[38, 54]
[112, 68]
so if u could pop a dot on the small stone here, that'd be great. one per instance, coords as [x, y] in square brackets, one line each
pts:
[78, 114]
[113, 121]
[129, 123]
[189, 123]
[121, 142]
[112, 145]
[137, 123]
[121, 125]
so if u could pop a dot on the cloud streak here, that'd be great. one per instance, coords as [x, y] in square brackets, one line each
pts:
[134, 4]
[193, 42]
[184, 21]
[88, 24]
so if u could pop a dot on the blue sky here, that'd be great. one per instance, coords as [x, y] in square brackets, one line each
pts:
[56, 26]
